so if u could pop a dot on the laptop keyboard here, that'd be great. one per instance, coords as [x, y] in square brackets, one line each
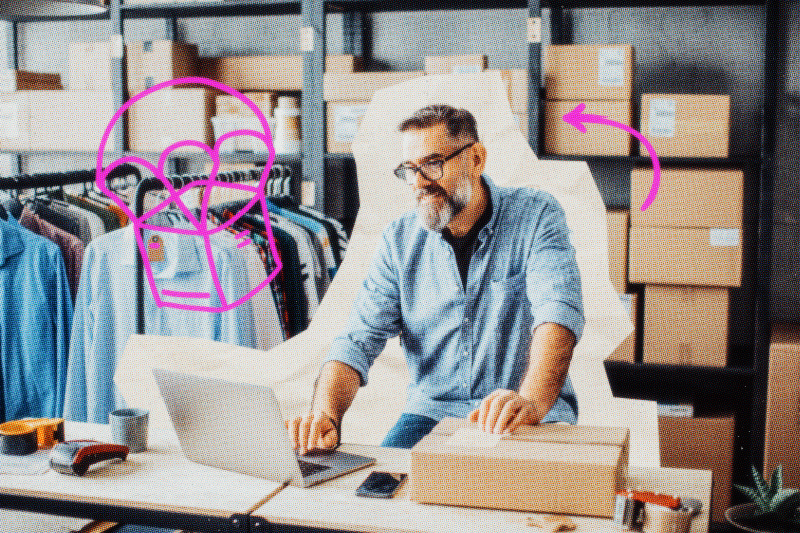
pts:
[309, 469]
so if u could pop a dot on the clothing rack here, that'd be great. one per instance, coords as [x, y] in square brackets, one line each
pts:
[277, 172]
[55, 179]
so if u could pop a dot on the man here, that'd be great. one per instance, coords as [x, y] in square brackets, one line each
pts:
[482, 286]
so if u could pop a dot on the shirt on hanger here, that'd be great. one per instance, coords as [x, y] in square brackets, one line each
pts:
[34, 333]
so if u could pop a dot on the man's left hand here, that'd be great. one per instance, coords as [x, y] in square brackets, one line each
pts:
[504, 411]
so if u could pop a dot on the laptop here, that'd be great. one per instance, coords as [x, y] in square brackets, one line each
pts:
[239, 427]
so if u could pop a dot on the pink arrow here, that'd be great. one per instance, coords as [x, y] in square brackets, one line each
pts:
[576, 117]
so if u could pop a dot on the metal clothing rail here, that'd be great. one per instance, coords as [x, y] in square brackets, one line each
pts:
[54, 179]
[146, 185]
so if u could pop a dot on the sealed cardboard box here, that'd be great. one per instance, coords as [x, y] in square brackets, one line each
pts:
[171, 115]
[561, 138]
[686, 125]
[53, 124]
[342, 120]
[588, 72]
[361, 85]
[689, 197]
[89, 66]
[782, 444]
[552, 468]
[230, 105]
[704, 443]
[152, 62]
[685, 256]
[686, 325]
[626, 351]
[455, 64]
[269, 73]
[618, 248]
[20, 80]
[15, 121]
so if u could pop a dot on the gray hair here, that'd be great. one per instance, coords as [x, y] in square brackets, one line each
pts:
[460, 122]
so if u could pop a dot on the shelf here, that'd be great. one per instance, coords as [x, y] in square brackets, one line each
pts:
[97, 16]
[227, 8]
[238, 157]
[677, 383]
[396, 5]
[664, 161]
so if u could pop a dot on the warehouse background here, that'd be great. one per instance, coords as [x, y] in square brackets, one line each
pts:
[686, 49]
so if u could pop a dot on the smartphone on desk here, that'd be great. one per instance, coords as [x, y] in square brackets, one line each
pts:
[380, 485]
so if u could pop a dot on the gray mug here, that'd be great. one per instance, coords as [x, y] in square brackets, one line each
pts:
[129, 428]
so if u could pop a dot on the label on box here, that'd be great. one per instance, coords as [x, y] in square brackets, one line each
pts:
[611, 67]
[467, 69]
[306, 39]
[723, 237]
[473, 438]
[676, 409]
[345, 125]
[534, 29]
[307, 193]
[8, 80]
[662, 117]
[9, 120]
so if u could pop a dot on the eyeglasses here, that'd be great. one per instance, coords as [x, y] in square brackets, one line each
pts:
[431, 170]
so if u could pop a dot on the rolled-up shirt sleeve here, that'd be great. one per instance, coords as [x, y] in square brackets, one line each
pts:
[553, 279]
[375, 316]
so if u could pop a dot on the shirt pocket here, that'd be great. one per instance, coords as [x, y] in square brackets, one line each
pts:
[506, 285]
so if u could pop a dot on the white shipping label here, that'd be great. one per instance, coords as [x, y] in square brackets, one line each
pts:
[346, 122]
[723, 237]
[662, 117]
[473, 438]
[308, 193]
[9, 120]
[467, 69]
[611, 67]
[8, 80]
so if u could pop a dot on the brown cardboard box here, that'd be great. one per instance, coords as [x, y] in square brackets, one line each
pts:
[782, 441]
[70, 120]
[342, 120]
[626, 351]
[361, 85]
[20, 80]
[618, 248]
[589, 72]
[685, 256]
[562, 138]
[702, 443]
[688, 197]
[455, 64]
[231, 105]
[269, 73]
[152, 62]
[15, 121]
[686, 325]
[686, 125]
[550, 468]
[171, 115]
[89, 66]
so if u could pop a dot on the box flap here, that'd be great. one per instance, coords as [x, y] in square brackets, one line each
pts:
[558, 433]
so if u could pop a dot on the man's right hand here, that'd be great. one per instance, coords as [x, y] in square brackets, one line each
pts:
[314, 431]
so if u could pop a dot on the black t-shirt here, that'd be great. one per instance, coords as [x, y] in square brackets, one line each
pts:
[465, 246]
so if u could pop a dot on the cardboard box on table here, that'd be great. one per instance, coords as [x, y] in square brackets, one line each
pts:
[686, 125]
[152, 62]
[550, 468]
[269, 73]
[588, 72]
[170, 115]
[686, 325]
[782, 441]
[69, 120]
[455, 64]
[705, 443]
[561, 138]
[341, 123]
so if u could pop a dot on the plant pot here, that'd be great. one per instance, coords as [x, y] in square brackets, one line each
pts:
[738, 516]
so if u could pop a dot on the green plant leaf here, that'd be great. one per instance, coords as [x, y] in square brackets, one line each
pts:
[786, 502]
[755, 497]
[759, 483]
[776, 481]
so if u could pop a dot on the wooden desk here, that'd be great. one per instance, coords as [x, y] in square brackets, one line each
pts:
[333, 505]
[158, 487]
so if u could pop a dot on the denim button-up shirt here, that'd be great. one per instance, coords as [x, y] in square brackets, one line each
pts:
[461, 343]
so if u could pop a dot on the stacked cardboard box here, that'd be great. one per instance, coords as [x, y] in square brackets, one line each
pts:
[601, 77]
[687, 248]
[686, 125]
[20, 80]
[626, 351]
[89, 66]
[455, 64]
[152, 62]
[170, 115]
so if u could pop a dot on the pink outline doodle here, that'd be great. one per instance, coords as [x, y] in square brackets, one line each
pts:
[201, 229]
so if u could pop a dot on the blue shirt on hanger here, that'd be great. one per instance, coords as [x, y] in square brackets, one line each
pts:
[463, 342]
[34, 332]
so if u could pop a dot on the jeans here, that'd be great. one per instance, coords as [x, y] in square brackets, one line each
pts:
[408, 431]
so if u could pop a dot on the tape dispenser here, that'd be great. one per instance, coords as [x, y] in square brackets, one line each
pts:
[25, 436]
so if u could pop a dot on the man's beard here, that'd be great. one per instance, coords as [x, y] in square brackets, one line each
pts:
[437, 217]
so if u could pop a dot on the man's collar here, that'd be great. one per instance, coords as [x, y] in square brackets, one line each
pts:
[494, 194]
[10, 239]
[181, 251]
